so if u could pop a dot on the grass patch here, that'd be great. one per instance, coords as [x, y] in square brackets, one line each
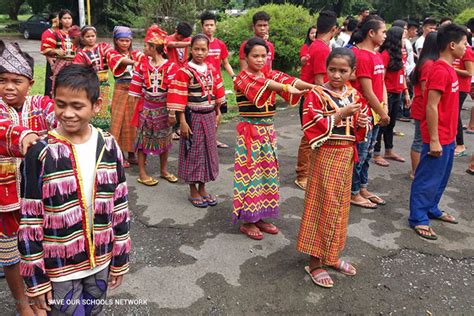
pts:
[4, 19]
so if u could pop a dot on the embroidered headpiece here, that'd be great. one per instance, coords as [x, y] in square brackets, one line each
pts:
[14, 61]
[122, 32]
[155, 35]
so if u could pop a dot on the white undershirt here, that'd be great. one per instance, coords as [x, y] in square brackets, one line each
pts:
[86, 161]
[200, 68]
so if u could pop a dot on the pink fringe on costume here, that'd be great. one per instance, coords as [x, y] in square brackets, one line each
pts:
[121, 247]
[59, 151]
[107, 176]
[31, 206]
[120, 191]
[109, 143]
[30, 232]
[120, 215]
[68, 250]
[104, 206]
[66, 185]
[103, 237]
[27, 269]
[63, 219]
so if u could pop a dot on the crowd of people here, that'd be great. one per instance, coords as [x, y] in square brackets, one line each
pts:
[64, 211]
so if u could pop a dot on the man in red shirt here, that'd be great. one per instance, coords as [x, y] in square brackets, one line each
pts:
[178, 43]
[438, 132]
[218, 53]
[318, 53]
[260, 27]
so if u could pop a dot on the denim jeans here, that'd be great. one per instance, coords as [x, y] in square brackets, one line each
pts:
[360, 174]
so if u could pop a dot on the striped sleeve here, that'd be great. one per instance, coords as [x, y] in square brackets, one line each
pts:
[30, 233]
[11, 136]
[316, 127]
[178, 91]
[283, 78]
[120, 221]
[48, 42]
[219, 90]
[136, 85]
[253, 88]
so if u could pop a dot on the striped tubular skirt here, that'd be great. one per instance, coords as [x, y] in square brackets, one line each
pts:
[323, 228]
[153, 133]
[9, 254]
[102, 119]
[256, 181]
[121, 116]
[198, 158]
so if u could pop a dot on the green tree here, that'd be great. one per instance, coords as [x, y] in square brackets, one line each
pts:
[11, 7]
[288, 27]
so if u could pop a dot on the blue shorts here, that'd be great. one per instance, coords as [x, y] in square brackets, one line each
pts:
[417, 142]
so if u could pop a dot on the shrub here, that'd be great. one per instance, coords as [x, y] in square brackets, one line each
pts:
[288, 27]
[464, 16]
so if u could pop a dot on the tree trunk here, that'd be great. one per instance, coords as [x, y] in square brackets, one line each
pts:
[338, 7]
[14, 9]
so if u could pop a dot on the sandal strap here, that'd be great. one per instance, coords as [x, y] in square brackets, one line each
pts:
[321, 275]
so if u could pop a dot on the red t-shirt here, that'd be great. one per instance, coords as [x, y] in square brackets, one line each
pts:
[306, 73]
[418, 106]
[318, 53]
[464, 82]
[370, 65]
[270, 55]
[394, 80]
[177, 55]
[217, 52]
[443, 78]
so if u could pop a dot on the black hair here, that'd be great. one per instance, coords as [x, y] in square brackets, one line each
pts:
[371, 22]
[430, 51]
[79, 77]
[429, 21]
[87, 28]
[160, 49]
[52, 16]
[308, 41]
[254, 41]
[62, 13]
[327, 19]
[393, 45]
[199, 37]
[352, 25]
[207, 15]
[184, 29]
[450, 33]
[412, 23]
[363, 9]
[260, 16]
[25, 55]
[342, 52]
[445, 19]
[470, 24]
[400, 23]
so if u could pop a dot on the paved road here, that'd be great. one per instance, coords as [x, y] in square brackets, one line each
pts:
[194, 261]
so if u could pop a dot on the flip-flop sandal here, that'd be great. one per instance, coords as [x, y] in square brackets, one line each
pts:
[132, 161]
[222, 145]
[371, 206]
[170, 178]
[395, 158]
[381, 162]
[175, 136]
[400, 134]
[345, 268]
[198, 202]
[252, 235]
[469, 131]
[268, 228]
[319, 276]
[126, 164]
[148, 182]
[418, 230]
[210, 199]
[460, 154]
[301, 185]
[469, 171]
[445, 218]
[375, 199]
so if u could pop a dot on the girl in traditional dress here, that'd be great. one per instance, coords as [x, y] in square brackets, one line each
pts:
[197, 92]
[150, 82]
[256, 181]
[335, 117]
[58, 46]
[121, 110]
[100, 56]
